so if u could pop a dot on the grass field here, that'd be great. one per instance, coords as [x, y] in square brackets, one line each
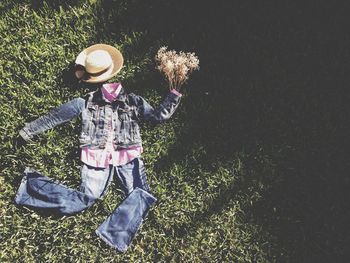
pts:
[253, 166]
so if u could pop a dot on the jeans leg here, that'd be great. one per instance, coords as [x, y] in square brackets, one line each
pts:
[95, 181]
[38, 191]
[121, 226]
[132, 175]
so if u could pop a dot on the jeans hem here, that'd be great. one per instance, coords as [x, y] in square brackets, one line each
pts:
[100, 235]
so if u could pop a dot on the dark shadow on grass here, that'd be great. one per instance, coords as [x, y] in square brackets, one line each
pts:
[274, 75]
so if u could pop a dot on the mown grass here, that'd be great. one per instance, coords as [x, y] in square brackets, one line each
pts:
[251, 168]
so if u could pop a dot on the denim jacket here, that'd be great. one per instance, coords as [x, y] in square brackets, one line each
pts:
[127, 112]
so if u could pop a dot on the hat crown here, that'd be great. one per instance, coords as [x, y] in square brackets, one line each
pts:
[97, 61]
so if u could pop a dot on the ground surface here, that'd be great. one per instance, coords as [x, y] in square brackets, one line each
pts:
[253, 167]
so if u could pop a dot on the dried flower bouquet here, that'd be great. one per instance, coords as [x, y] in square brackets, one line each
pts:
[176, 66]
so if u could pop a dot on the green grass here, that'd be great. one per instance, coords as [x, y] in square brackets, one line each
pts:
[247, 170]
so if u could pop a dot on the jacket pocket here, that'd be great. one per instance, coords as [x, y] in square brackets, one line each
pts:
[126, 114]
[129, 133]
[89, 121]
[125, 134]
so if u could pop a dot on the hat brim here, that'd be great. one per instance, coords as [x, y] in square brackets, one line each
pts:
[117, 64]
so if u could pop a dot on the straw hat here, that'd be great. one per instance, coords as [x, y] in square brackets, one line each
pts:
[98, 63]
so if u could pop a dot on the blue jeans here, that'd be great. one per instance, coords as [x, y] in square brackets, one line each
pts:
[118, 230]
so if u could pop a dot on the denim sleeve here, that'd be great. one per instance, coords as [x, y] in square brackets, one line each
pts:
[56, 116]
[163, 112]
